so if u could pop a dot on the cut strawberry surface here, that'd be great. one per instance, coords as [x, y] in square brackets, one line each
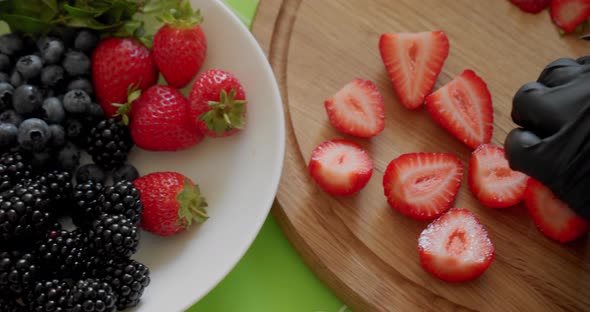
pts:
[492, 181]
[464, 108]
[456, 247]
[413, 62]
[357, 109]
[569, 14]
[422, 185]
[552, 216]
[340, 167]
[531, 6]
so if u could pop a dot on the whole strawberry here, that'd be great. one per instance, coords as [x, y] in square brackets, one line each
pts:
[172, 202]
[180, 46]
[218, 103]
[117, 65]
[160, 121]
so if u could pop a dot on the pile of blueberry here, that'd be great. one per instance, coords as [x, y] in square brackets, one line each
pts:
[47, 105]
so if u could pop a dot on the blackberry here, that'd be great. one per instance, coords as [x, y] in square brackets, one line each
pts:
[128, 278]
[18, 271]
[25, 211]
[48, 296]
[114, 235]
[122, 198]
[109, 143]
[90, 295]
[14, 167]
[62, 254]
[86, 200]
[59, 186]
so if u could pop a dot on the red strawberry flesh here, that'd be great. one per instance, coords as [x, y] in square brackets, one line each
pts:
[357, 109]
[422, 185]
[569, 14]
[456, 247]
[340, 167]
[531, 6]
[464, 108]
[413, 62]
[492, 181]
[552, 216]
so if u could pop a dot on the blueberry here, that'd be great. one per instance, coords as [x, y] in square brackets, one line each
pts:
[76, 63]
[6, 92]
[41, 160]
[4, 62]
[33, 134]
[69, 157]
[42, 41]
[10, 44]
[53, 110]
[125, 173]
[29, 66]
[90, 172]
[8, 134]
[4, 77]
[77, 102]
[58, 136]
[16, 80]
[85, 41]
[11, 117]
[52, 50]
[81, 84]
[27, 99]
[95, 110]
[52, 75]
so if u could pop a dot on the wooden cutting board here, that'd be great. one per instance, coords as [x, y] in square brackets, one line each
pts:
[365, 252]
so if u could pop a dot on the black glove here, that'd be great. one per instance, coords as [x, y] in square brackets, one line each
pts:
[553, 145]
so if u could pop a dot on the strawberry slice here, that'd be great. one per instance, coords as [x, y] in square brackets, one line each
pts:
[464, 108]
[413, 62]
[340, 167]
[569, 14]
[422, 185]
[357, 109]
[531, 6]
[456, 247]
[492, 181]
[552, 216]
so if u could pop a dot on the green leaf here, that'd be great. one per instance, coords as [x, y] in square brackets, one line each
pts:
[158, 6]
[129, 28]
[25, 24]
[90, 23]
[52, 4]
[84, 12]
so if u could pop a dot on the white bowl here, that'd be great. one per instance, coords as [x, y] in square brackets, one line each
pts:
[238, 175]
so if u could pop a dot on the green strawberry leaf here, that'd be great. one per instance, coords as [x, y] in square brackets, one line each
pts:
[84, 12]
[52, 4]
[90, 23]
[25, 24]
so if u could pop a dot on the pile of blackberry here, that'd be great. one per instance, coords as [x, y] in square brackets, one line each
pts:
[67, 233]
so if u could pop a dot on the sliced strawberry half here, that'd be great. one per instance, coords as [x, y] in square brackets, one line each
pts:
[464, 108]
[357, 109]
[531, 6]
[340, 167]
[552, 216]
[492, 181]
[422, 185]
[569, 14]
[413, 62]
[456, 247]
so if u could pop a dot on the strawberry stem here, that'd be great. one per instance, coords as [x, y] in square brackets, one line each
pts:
[225, 115]
[124, 109]
[181, 16]
[192, 205]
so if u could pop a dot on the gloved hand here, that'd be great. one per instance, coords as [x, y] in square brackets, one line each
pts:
[553, 145]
